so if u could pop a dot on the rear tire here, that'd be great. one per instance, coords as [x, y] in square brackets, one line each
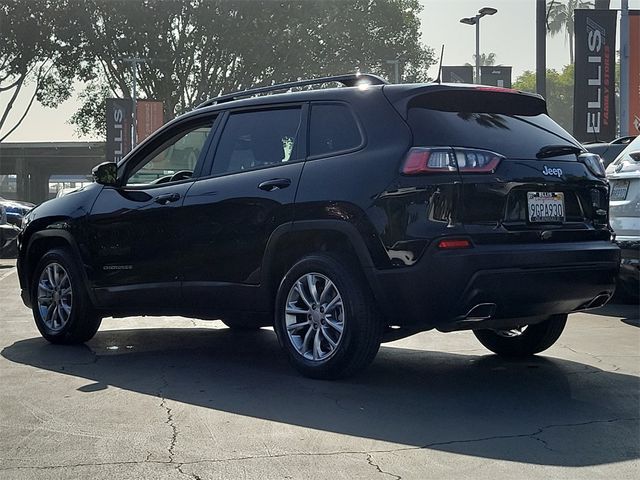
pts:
[630, 289]
[330, 330]
[61, 307]
[534, 339]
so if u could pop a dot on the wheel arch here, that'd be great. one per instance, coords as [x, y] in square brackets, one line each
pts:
[290, 242]
[41, 242]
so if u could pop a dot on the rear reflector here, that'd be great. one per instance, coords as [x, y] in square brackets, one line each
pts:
[454, 243]
[421, 160]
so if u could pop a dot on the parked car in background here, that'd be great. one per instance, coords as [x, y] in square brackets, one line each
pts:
[11, 214]
[609, 151]
[8, 235]
[16, 210]
[624, 177]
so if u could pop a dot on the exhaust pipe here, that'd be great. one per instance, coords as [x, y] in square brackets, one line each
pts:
[599, 301]
[482, 311]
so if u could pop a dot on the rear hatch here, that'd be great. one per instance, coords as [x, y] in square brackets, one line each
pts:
[521, 176]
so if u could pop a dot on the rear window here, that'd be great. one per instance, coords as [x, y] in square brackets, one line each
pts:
[512, 125]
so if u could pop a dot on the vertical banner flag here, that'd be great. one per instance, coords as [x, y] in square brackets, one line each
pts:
[634, 72]
[149, 118]
[457, 74]
[496, 76]
[118, 128]
[594, 111]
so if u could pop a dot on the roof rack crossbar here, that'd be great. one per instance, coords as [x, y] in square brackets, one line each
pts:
[350, 80]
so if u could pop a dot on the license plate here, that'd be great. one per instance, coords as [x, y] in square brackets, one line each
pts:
[619, 189]
[545, 207]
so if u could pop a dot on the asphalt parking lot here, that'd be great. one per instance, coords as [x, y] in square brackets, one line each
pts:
[174, 398]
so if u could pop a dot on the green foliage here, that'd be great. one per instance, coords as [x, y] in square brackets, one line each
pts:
[486, 60]
[39, 50]
[197, 49]
[560, 18]
[559, 93]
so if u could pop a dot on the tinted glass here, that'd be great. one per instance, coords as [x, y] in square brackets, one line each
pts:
[178, 154]
[514, 136]
[333, 129]
[257, 139]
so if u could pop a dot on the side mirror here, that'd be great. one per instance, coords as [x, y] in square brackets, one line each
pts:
[635, 156]
[106, 173]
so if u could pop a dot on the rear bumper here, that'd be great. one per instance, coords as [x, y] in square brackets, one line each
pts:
[512, 281]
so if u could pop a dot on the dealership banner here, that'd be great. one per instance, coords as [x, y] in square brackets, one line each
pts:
[594, 111]
[118, 128]
[149, 118]
[496, 76]
[457, 74]
[634, 72]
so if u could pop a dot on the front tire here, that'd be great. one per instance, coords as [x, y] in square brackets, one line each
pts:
[326, 319]
[61, 307]
[524, 341]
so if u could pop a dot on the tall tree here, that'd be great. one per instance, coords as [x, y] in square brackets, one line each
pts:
[39, 54]
[196, 49]
[559, 93]
[560, 18]
[486, 60]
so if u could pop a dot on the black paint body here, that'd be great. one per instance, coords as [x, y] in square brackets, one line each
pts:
[221, 244]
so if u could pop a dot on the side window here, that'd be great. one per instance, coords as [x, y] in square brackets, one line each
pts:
[179, 153]
[257, 139]
[333, 128]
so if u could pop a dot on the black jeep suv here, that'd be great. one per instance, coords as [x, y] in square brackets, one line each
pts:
[344, 217]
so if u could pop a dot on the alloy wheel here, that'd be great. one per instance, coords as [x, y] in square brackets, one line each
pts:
[55, 296]
[315, 317]
[514, 332]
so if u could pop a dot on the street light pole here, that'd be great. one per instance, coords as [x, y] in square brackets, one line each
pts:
[478, 51]
[475, 20]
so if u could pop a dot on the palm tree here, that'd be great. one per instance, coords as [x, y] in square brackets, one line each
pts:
[486, 60]
[560, 17]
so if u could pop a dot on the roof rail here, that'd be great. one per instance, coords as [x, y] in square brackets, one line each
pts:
[349, 80]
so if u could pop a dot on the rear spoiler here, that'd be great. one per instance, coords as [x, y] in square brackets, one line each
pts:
[464, 98]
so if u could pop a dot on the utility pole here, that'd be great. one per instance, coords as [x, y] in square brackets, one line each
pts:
[624, 69]
[541, 48]
[396, 69]
[134, 61]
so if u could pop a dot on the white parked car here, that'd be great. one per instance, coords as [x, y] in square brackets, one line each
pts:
[624, 175]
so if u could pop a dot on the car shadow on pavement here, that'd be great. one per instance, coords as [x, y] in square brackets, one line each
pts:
[627, 313]
[543, 410]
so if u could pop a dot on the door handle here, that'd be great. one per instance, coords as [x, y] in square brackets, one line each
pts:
[167, 198]
[274, 184]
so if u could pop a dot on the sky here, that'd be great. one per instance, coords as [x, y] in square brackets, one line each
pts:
[510, 34]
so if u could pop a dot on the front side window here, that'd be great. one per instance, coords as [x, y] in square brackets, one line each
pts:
[174, 160]
[257, 139]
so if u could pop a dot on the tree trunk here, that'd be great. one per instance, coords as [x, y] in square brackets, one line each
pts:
[571, 59]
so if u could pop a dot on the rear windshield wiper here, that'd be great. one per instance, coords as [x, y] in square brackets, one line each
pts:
[558, 151]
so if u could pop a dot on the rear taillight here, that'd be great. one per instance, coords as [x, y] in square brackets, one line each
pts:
[429, 160]
[594, 163]
[421, 160]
